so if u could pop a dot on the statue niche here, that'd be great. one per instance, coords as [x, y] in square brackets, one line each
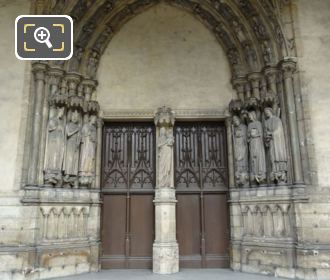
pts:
[257, 150]
[88, 151]
[71, 158]
[275, 142]
[240, 152]
[165, 152]
[54, 152]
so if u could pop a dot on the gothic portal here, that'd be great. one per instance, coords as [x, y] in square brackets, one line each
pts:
[177, 136]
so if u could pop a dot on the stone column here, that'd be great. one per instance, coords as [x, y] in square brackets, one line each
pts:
[98, 154]
[289, 67]
[39, 76]
[165, 247]
[231, 170]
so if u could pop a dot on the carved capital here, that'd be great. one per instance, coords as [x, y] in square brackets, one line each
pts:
[39, 70]
[254, 79]
[73, 81]
[238, 85]
[271, 74]
[288, 68]
[164, 116]
[55, 75]
[89, 87]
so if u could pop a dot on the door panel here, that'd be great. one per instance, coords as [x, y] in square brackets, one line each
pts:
[201, 182]
[188, 234]
[142, 225]
[128, 191]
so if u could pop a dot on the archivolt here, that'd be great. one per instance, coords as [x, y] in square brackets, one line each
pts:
[249, 31]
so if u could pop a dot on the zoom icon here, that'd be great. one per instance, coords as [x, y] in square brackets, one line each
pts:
[43, 37]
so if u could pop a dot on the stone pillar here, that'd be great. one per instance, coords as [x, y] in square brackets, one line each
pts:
[98, 154]
[39, 76]
[231, 170]
[165, 247]
[289, 67]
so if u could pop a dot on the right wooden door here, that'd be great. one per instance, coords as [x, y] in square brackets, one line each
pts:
[201, 188]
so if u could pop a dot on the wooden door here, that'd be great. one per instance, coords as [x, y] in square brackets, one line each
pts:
[201, 188]
[128, 178]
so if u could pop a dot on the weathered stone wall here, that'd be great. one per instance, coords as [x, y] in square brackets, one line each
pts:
[16, 222]
[164, 56]
[313, 219]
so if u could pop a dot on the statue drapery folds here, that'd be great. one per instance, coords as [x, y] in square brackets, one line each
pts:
[165, 153]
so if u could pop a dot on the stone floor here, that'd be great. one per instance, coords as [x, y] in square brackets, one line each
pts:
[184, 274]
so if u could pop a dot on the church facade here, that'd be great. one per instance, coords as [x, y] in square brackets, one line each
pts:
[181, 134]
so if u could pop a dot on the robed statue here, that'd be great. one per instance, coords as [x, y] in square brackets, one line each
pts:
[165, 154]
[54, 146]
[275, 142]
[257, 150]
[88, 151]
[71, 158]
[240, 152]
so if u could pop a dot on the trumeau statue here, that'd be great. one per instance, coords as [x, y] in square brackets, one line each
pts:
[54, 146]
[71, 158]
[240, 152]
[88, 151]
[275, 142]
[257, 150]
[165, 151]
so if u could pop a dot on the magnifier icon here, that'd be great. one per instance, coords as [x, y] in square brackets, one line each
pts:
[41, 35]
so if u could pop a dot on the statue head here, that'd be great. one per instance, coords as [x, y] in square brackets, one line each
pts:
[236, 121]
[268, 112]
[74, 117]
[252, 116]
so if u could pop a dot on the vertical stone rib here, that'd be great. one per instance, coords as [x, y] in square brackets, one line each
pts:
[288, 69]
[39, 76]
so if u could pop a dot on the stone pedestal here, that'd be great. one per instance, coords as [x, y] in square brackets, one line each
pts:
[165, 247]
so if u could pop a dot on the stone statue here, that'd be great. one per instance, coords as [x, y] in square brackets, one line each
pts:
[257, 150]
[165, 151]
[239, 32]
[92, 64]
[275, 142]
[75, 60]
[71, 159]
[54, 146]
[240, 152]
[88, 151]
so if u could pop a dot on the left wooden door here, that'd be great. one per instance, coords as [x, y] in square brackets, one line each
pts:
[128, 180]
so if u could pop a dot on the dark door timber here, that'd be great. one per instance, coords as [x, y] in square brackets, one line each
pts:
[201, 188]
[128, 180]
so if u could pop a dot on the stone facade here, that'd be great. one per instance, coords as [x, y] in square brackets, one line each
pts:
[274, 53]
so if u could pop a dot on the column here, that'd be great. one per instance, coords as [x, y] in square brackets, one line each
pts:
[288, 68]
[231, 170]
[98, 154]
[165, 247]
[39, 76]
